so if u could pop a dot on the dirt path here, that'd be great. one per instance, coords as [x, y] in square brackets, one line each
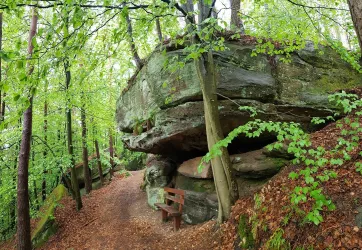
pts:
[118, 217]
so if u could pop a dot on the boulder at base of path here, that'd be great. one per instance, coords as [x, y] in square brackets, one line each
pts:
[155, 195]
[47, 226]
[158, 175]
[199, 207]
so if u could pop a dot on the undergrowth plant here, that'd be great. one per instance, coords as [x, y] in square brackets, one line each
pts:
[313, 159]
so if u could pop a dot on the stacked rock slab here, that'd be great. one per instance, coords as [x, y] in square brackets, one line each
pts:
[162, 112]
[253, 170]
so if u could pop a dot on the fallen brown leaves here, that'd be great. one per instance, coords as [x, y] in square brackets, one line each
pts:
[117, 217]
[338, 231]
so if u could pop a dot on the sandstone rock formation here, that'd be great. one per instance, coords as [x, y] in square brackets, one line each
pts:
[162, 113]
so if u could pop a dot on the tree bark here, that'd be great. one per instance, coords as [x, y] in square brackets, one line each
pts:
[189, 8]
[111, 151]
[159, 30]
[23, 225]
[355, 7]
[3, 107]
[204, 11]
[1, 47]
[225, 184]
[13, 200]
[99, 162]
[44, 184]
[134, 52]
[87, 176]
[74, 179]
[235, 20]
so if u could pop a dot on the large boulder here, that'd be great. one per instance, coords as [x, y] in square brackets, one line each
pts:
[158, 171]
[199, 207]
[158, 175]
[193, 184]
[46, 226]
[171, 102]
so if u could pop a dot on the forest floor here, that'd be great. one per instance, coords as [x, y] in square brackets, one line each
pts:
[117, 217]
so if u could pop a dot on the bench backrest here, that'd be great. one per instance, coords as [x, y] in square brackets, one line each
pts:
[177, 196]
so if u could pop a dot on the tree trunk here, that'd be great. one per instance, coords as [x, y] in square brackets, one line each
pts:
[189, 8]
[87, 176]
[355, 7]
[75, 184]
[23, 226]
[134, 52]
[111, 152]
[235, 20]
[99, 162]
[225, 184]
[159, 30]
[35, 190]
[1, 47]
[3, 107]
[13, 200]
[204, 11]
[44, 184]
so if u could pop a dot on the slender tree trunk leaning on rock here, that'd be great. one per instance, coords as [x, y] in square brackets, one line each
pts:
[225, 185]
[23, 226]
[86, 170]
[235, 20]
[135, 55]
[99, 164]
[355, 7]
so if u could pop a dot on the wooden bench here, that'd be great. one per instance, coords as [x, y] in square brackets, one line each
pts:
[176, 196]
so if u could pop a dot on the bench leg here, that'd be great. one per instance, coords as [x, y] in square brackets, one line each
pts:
[176, 222]
[164, 216]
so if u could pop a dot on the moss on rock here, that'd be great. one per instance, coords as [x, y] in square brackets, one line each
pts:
[46, 226]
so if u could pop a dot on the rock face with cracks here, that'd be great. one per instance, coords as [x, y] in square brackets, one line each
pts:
[162, 113]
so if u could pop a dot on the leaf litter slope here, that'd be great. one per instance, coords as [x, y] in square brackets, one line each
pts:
[339, 229]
